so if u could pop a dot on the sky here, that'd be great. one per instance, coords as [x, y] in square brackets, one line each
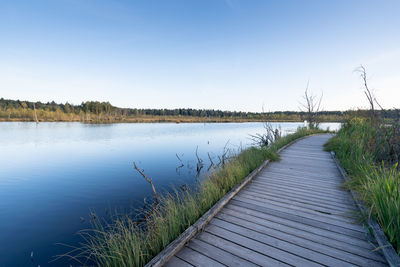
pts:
[206, 54]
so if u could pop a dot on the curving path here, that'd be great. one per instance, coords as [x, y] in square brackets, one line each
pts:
[294, 213]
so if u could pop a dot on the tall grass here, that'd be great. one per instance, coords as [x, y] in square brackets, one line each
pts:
[125, 243]
[373, 170]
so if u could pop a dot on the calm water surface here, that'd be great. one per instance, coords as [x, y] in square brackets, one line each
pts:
[54, 174]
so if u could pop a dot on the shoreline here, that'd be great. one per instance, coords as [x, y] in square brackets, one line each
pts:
[159, 120]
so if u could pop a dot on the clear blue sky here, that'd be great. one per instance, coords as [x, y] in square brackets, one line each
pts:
[229, 55]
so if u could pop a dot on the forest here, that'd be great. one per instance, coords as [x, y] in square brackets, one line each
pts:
[104, 112]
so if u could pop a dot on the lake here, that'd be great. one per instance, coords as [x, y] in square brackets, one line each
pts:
[53, 175]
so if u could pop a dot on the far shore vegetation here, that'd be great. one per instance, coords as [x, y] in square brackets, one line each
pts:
[104, 112]
[128, 241]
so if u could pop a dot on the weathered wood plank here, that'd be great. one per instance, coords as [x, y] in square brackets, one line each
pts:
[298, 246]
[319, 229]
[323, 182]
[312, 215]
[331, 191]
[303, 180]
[298, 171]
[315, 249]
[197, 259]
[300, 219]
[310, 193]
[325, 179]
[302, 200]
[268, 225]
[298, 196]
[310, 205]
[243, 252]
[174, 261]
[260, 247]
[311, 210]
[216, 253]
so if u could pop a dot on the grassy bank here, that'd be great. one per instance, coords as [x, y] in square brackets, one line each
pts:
[369, 152]
[125, 243]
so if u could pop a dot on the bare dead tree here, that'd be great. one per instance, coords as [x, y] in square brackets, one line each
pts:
[368, 92]
[311, 105]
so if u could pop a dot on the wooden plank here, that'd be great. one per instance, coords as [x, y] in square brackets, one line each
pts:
[322, 178]
[305, 195]
[240, 251]
[343, 200]
[301, 197]
[300, 219]
[260, 247]
[331, 190]
[297, 171]
[317, 248]
[319, 193]
[305, 213]
[309, 209]
[266, 225]
[311, 206]
[312, 156]
[310, 228]
[197, 259]
[216, 253]
[295, 199]
[309, 165]
[174, 261]
[323, 181]
[298, 246]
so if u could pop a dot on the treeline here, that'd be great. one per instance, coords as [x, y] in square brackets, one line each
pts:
[103, 112]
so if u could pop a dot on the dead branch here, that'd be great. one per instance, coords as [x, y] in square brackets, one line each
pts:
[211, 162]
[367, 91]
[180, 166]
[265, 139]
[149, 180]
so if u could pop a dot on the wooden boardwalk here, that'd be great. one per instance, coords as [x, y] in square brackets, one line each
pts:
[294, 213]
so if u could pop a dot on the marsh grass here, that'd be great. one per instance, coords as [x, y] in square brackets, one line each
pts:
[126, 243]
[376, 180]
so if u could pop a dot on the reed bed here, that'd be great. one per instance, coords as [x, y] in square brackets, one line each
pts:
[124, 242]
[372, 164]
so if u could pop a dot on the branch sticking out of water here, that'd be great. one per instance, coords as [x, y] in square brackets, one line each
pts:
[149, 180]
[199, 163]
[211, 162]
[180, 166]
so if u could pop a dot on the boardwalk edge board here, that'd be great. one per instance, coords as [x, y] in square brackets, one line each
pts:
[169, 251]
[384, 245]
